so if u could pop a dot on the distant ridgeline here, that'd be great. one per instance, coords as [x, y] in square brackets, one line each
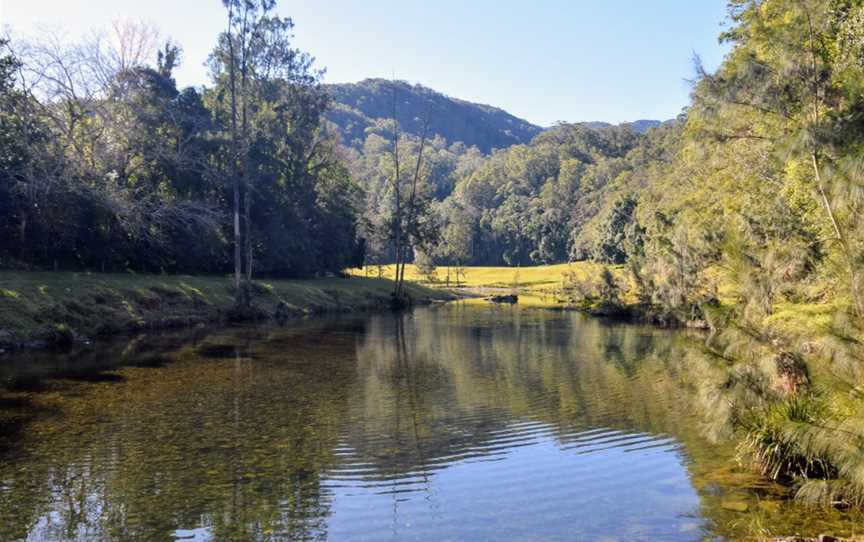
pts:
[366, 104]
[357, 107]
[498, 190]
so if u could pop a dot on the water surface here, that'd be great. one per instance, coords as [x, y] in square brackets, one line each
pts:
[447, 423]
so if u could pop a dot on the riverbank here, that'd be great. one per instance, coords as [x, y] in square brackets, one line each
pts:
[784, 385]
[39, 309]
[575, 286]
[552, 287]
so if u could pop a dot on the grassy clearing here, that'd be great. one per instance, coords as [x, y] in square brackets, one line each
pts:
[538, 286]
[543, 285]
[41, 307]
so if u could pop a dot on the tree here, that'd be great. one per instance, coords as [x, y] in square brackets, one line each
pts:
[107, 165]
[410, 224]
[620, 235]
[425, 265]
[272, 92]
[454, 247]
[794, 78]
[239, 29]
[23, 175]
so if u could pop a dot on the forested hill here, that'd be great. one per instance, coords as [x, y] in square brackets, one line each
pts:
[369, 104]
[358, 107]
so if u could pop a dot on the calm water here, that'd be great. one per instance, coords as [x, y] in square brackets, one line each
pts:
[448, 423]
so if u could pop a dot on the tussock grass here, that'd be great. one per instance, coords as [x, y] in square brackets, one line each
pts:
[801, 440]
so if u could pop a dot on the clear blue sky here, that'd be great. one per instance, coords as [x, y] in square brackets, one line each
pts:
[546, 60]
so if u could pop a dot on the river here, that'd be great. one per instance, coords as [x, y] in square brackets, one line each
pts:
[455, 422]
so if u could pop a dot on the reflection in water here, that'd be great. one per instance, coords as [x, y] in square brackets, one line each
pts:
[447, 423]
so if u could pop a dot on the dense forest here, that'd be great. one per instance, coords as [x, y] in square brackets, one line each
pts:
[106, 165]
[87, 186]
[368, 105]
[525, 203]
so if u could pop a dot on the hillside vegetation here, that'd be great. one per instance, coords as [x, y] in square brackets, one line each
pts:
[369, 106]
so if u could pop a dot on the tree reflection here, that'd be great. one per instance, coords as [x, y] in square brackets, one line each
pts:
[247, 434]
[230, 445]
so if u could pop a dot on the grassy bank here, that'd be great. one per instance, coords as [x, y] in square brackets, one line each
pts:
[39, 308]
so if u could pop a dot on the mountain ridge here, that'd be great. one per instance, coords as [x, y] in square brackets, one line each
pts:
[367, 106]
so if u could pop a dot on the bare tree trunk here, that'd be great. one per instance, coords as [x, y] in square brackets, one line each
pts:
[855, 289]
[826, 202]
[22, 234]
[405, 248]
[238, 240]
[249, 258]
[247, 208]
[397, 225]
[413, 199]
[244, 135]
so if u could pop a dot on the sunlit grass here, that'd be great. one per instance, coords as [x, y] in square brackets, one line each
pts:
[802, 318]
[535, 277]
[537, 286]
[32, 304]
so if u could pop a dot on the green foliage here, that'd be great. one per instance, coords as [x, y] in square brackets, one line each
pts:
[763, 200]
[528, 205]
[599, 293]
[802, 440]
[620, 235]
[365, 107]
[534, 200]
[117, 169]
[771, 444]
[426, 267]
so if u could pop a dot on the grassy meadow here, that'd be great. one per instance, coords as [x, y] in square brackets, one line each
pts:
[543, 286]
[539, 286]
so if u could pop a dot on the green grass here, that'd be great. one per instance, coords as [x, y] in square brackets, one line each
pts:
[49, 306]
[802, 319]
[538, 286]
[538, 277]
